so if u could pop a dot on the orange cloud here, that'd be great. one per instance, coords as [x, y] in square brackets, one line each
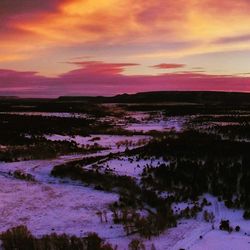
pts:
[81, 21]
[31, 29]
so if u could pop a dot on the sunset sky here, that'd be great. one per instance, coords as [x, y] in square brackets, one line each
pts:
[50, 48]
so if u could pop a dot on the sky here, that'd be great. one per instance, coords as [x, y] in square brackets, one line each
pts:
[50, 48]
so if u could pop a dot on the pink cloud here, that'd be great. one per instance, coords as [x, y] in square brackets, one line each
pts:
[99, 78]
[168, 66]
[98, 67]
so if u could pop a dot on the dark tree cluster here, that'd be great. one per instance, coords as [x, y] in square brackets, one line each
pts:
[107, 181]
[41, 148]
[50, 105]
[40, 125]
[20, 238]
[200, 163]
[18, 174]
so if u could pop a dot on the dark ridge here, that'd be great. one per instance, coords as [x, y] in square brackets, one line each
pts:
[8, 97]
[198, 97]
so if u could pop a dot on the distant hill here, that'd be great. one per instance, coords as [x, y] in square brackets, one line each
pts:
[204, 97]
[8, 97]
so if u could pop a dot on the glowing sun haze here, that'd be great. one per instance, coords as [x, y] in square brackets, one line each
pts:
[104, 47]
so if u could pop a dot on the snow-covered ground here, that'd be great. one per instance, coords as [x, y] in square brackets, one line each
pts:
[147, 122]
[197, 234]
[63, 206]
[222, 241]
[52, 205]
[129, 166]
[45, 207]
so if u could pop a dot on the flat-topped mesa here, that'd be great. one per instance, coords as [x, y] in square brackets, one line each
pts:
[197, 97]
